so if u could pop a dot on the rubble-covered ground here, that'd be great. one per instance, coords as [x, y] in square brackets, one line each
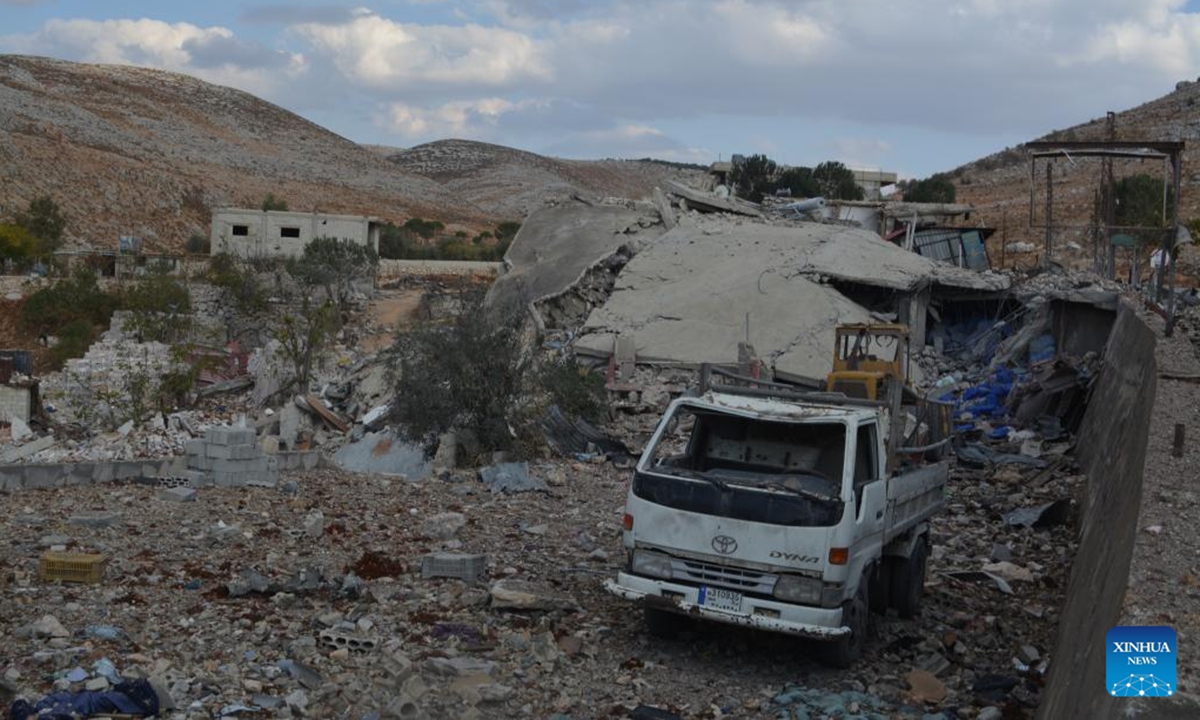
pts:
[217, 595]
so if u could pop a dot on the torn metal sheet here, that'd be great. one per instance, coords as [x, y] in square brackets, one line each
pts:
[1041, 516]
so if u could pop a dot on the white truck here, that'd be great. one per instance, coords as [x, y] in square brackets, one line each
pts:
[783, 511]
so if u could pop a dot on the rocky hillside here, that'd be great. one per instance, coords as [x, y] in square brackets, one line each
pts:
[127, 150]
[998, 185]
[509, 183]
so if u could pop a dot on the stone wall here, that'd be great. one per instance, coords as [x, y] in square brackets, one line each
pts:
[395, 269]
[20, 478]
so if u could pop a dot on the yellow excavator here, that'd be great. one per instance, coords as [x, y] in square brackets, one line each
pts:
[867, 358]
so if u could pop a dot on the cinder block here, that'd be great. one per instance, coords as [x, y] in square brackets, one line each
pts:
[177, 494]
[334, 640]
[230, 436]
[200, 462]
[256, 465]
[453, 565]
[233, 452]
[195, 446]
[225, 478]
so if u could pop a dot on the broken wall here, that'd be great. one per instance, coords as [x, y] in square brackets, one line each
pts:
[1112, 451]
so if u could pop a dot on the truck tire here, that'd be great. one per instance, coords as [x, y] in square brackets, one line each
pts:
[662, 624]
[908, 581]
[845, 651]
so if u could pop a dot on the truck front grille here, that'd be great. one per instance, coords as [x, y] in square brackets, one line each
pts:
[702, 573]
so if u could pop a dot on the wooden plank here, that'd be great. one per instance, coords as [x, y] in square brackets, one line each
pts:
[325, 413]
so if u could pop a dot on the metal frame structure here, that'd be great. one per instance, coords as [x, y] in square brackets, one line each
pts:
[1169, 151]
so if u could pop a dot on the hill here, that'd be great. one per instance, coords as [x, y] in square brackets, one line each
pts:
[509, 183]
[133, 151]
[998, 185]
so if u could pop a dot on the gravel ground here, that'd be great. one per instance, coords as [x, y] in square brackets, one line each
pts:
[1164, 578]
[168, 584]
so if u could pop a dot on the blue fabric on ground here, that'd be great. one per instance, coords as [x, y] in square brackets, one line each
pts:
[135, 697]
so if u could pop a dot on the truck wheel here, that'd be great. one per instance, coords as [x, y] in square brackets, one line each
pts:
[662, 624]
[908, 582]
[847, 650]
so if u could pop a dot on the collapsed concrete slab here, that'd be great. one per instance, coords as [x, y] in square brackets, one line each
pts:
[558, 245]
[685, 299]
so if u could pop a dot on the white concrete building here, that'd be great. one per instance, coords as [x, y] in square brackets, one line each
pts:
[275, 233]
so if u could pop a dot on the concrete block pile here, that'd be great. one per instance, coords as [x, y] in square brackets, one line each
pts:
[230, 457]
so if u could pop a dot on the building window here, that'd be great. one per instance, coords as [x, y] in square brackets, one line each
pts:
[289, 232]
[240, 230]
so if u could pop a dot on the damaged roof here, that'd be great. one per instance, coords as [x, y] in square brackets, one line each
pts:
[557, 245]
[685, 298]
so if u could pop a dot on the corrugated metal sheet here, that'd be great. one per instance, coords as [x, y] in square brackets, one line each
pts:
[22, 360]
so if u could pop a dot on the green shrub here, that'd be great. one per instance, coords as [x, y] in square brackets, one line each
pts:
[574, 389]
[197, 244]
[79, 297]
[160, 307]
[74, 339]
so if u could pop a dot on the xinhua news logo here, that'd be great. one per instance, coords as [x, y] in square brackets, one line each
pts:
[1140, 661]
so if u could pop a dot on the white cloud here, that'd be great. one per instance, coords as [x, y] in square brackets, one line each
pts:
[388, 56]
[212, 53]
[466, 118]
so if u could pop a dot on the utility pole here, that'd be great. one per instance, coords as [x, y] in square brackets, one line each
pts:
[1108, 186]
[1049, 213]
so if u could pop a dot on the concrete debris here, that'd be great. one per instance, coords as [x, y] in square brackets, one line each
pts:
[557, 245]
[443, 526]
[383, 453]
[510, 478]
[177, 494]
[18, 430]
[513, 594]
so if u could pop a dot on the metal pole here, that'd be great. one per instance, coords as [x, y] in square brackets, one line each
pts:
[1169, 242]
[1049, 212]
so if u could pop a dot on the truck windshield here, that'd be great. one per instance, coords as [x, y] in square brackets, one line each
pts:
[749, 469]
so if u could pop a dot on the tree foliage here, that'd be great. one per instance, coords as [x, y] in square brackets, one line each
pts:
[270, 202]
[1140, 201]
[335, 265]
[934, 189]
[45, 221]
[758, 175]
[468, 374]
[754, 176]
[17, 242]
[160, 307]
[835, 181]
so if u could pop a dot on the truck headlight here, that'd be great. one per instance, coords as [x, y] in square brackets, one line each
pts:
[798, 589]
[652, 564]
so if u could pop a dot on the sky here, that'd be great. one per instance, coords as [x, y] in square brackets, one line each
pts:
[912, 87]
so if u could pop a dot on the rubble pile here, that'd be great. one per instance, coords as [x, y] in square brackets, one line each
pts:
[333, 594]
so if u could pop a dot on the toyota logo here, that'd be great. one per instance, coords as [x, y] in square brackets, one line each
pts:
[724, 544]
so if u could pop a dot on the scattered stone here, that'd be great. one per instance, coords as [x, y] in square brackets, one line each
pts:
[1029, 654]
[1009, 572]
[444, 526]
[924, 687]
[514, 594]
[177, 494]
[18, 430]
[47, 626]
[95, 519]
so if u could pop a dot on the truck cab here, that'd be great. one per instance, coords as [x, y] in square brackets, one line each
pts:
[777, 513]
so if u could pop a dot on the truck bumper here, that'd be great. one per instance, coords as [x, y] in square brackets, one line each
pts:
[801, 620]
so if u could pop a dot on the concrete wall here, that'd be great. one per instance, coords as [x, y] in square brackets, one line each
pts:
[1112, 451]
[20, 478]
[14, 403]
[266, 231]
[394, 269]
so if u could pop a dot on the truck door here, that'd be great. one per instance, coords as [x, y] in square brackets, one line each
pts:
[870, 491]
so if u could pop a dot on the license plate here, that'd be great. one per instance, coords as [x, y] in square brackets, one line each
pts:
[720, 599]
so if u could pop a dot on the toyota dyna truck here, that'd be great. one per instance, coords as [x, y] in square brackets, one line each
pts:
[790, 511]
